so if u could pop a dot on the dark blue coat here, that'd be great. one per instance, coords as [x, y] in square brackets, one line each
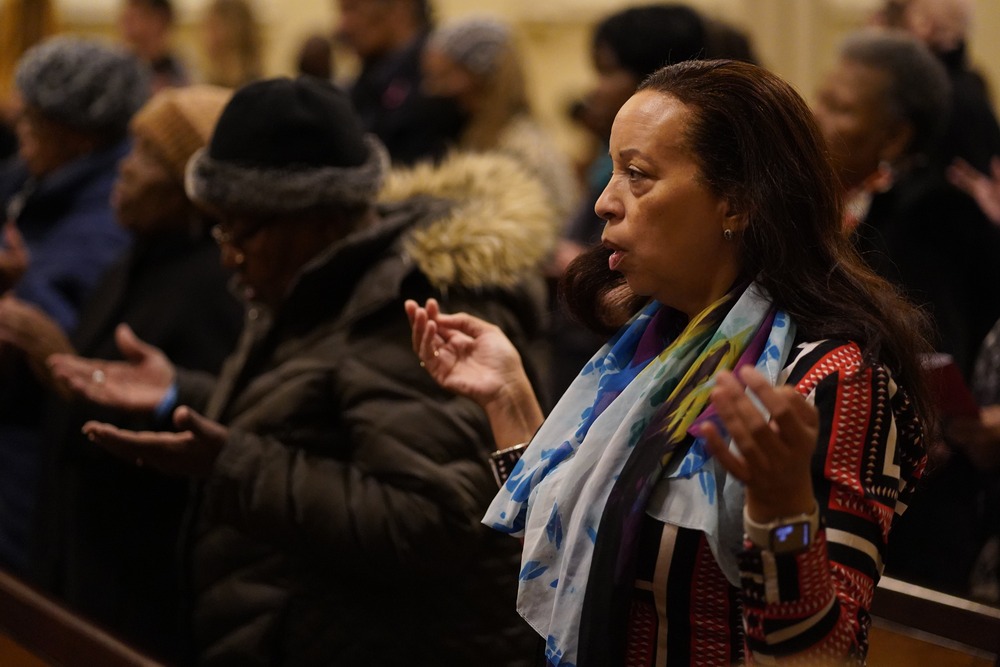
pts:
[72, 237]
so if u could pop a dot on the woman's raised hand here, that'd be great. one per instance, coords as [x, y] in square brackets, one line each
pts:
[774, 455]
[464, 354]
[474, 358]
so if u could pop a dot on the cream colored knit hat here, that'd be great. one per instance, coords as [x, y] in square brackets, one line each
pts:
[179, 121]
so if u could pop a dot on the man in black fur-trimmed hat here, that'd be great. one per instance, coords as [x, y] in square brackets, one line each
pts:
[341, 490]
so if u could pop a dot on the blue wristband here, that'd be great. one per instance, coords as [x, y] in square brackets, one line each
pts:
[165, 407]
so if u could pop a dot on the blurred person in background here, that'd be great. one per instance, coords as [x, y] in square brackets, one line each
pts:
[972, 134]
[883, 109]
[146, 28]
[339, 489]
[315, 57]
[106, 536]
[389, 36]
[77, 98]
[626, 47]
[231, 44]
[23, 23]
[475, 62]
[727, 41]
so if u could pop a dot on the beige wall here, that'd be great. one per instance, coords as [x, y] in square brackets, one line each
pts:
[796, 38]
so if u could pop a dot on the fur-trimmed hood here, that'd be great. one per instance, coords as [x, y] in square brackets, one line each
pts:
[499, 227]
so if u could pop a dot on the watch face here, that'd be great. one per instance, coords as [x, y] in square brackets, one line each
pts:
[790, 537]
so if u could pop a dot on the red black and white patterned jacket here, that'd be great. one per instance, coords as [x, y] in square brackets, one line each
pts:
[804, 608]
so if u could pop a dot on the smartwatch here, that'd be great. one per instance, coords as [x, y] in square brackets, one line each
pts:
[784, 535]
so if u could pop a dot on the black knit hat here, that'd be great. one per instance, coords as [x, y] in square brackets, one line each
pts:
[644, 39]
[287, 145]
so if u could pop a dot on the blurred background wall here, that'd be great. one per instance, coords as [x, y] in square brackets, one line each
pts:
[795, 38]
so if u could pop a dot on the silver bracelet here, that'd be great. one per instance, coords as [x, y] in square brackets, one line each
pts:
[502, 462]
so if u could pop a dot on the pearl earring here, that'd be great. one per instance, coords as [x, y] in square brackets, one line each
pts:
[727, 234]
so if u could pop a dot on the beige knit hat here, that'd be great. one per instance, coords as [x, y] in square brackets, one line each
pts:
[179, 121]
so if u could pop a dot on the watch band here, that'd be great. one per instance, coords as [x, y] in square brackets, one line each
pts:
[785, 534]
[502, 462]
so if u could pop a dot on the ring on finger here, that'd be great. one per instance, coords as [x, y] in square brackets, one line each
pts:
[98, 376]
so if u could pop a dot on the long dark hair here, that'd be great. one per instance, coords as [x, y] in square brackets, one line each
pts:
[758, 147]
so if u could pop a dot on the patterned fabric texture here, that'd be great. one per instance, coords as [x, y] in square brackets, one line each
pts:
[812, 604]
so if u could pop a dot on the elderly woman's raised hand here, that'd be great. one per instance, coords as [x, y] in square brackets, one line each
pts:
[985, 189]
[191, 452]
[25, 327]
[774, 456]
[474, 358]
[137, 384]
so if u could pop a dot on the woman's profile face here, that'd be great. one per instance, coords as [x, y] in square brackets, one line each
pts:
[443, 77]
[44, 144]
[851, 109]
[146, 197]
[664, 226]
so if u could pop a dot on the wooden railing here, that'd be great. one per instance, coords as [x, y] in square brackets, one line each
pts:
[56, 636]
[931, 616]
[47, 633]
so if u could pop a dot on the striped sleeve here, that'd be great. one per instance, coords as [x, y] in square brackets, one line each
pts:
[812, 607]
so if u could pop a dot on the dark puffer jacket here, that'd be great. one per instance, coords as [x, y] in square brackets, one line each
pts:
[341, 524]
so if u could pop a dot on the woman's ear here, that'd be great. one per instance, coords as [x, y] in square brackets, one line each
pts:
[736, 218]
[897, 143]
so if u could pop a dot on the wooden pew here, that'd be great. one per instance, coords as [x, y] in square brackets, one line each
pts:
[914, 625]
[37, 631]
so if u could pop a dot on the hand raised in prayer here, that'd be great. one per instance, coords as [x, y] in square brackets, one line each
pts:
[137, 384]
[773, 456]
[985, 189]
[474, 358]
[190, 452]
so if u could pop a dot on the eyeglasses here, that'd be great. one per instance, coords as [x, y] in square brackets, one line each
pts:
[226, 234]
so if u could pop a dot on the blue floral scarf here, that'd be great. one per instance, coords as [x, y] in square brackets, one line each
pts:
[603, 459]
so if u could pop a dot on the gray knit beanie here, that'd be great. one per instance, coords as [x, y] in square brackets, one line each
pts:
[474, 42]
[83, 84]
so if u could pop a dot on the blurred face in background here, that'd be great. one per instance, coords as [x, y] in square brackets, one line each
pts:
[147, 196]
[369, 26]
[46, 144]
[852, 109]
[443, 77]
[144, 29]
[614, 87]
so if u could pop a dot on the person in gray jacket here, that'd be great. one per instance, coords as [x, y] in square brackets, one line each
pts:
[337, 520]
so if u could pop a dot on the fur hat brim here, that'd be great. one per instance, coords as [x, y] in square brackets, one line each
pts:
[225, 186]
